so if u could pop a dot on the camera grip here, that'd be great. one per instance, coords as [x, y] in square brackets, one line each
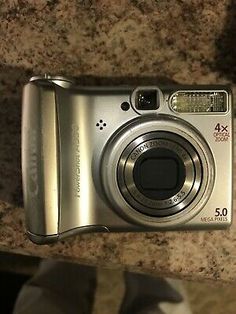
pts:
[40, 161]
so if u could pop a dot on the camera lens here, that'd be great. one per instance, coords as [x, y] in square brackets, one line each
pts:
[147, 99]
[161, 175]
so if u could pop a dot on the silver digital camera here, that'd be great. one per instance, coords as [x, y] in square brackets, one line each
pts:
[125, 158]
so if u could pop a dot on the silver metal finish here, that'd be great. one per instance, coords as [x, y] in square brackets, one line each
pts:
[59, 80]
[40, 159]
[79, 149]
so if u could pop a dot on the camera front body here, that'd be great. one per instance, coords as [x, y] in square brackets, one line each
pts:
[125, 158]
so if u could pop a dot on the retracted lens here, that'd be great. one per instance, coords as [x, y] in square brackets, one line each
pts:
[159, 173]
[147, 99]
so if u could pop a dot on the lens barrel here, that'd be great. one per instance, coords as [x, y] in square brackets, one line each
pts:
[161, 175]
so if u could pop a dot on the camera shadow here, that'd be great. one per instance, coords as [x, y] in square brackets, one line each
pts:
[12, 80]
[225, 62]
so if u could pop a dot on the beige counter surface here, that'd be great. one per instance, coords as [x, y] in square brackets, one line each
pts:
[114, 42]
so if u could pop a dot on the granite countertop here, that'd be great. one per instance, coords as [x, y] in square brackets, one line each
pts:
[113, 42]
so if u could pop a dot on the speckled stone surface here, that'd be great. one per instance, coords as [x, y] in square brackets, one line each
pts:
[112, 42]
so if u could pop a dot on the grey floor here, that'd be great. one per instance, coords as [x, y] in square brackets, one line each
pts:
[204, 298]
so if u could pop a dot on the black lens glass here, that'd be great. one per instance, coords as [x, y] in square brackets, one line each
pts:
[147, 99]
[159, 173]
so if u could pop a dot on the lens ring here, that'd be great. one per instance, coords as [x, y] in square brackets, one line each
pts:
[190, 175]
[187, 192]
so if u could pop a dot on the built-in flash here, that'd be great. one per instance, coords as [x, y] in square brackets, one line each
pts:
[199, 101]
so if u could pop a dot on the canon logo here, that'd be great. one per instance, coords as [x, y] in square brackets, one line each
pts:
[33, 164]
